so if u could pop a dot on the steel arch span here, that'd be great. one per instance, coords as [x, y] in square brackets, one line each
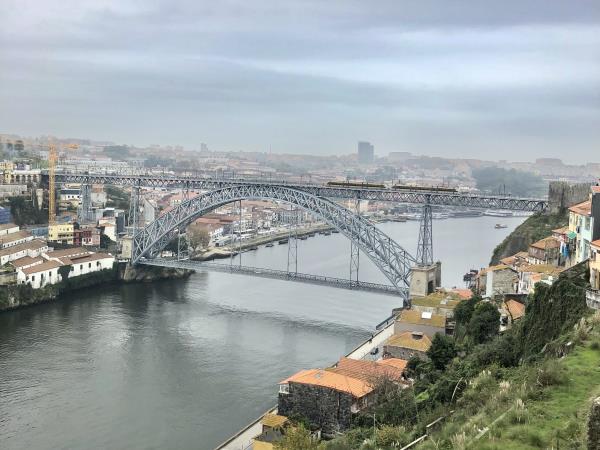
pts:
[386, 254]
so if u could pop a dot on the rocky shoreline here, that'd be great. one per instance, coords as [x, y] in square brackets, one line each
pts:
[19, 296]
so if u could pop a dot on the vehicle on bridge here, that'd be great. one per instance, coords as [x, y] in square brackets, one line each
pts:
[424, 188]
[354, 184]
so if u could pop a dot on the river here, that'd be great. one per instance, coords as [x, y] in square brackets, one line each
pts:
[185, 364]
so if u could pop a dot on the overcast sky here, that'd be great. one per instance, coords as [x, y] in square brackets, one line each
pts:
[510, 79]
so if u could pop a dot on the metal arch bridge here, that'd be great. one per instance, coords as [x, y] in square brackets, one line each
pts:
[432, 197]
[393, 260]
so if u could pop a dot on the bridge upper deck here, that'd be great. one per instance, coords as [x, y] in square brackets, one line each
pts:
[420, 196]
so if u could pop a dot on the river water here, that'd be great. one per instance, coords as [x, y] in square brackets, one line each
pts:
[185, 364]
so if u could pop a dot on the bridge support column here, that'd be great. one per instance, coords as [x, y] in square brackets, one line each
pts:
[354, 251]
[134, 207]
[292, 262]
[425, 246]
[184, 197]
[84, 212]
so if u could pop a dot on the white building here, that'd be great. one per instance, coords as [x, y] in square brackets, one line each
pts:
[39, 275]
[33, 249]
[12, 239]
[8, 228]
[44, 270]
[94, 262]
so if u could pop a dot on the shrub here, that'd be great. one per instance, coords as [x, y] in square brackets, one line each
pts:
[551, 373]
[484, 323]
[391, 437]
[442, 351]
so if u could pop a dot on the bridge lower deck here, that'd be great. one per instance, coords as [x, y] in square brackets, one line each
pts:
[276, 274]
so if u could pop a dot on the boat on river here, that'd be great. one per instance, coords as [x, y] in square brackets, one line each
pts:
[500, 225]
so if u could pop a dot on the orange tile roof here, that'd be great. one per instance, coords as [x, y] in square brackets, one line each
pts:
[546, 243]
[509, 260]
[407, 340]
[34, 244]
[90, 258]
[596, 189]
[26, 260]
[561, 230]
[596, 243]
[367, 370]
[394, 362]
[583, 208]
[516, 309]
[69, 252]
[331, 380]
[493, 268]
[48, 265]
[16, 236]
[541, 268]
[7, 226]
[464, 294]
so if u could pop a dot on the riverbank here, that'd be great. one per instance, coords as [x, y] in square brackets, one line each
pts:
[251, 244]
[23, 295]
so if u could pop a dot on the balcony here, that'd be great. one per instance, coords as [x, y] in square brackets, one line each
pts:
[592, 298]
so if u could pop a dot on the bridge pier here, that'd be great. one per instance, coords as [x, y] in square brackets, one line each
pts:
[425, 279]
[425, 245]
[354, 250]
[84, 212]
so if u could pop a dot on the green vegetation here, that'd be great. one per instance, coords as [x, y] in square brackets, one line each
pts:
[442, 351]
[27, 211]
[533, 229]
[24, 294]
[298, 438]
[484, 323]
[498, 180]
[538, 406]
[117, 197]
[495, 391]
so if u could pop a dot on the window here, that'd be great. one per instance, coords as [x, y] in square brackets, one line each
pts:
[89, 265]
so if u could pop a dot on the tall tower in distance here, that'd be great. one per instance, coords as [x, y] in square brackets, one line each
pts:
[366, 152]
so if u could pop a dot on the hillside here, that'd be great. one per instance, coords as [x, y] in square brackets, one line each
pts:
[530, 387]
[544, 405]
[533, 229]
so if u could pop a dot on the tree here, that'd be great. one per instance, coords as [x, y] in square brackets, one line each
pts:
[442, 351]
[464, 310]
[296, 438]
[198, 236]
[64, 272]
[484, 323]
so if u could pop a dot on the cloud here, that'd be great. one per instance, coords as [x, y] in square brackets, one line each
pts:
[446, 78]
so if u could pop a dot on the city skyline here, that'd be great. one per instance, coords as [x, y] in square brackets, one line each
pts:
[482, 81]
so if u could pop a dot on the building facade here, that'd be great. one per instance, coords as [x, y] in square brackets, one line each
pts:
[366, 152]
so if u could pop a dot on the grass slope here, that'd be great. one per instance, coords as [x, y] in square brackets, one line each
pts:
[527, 408]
